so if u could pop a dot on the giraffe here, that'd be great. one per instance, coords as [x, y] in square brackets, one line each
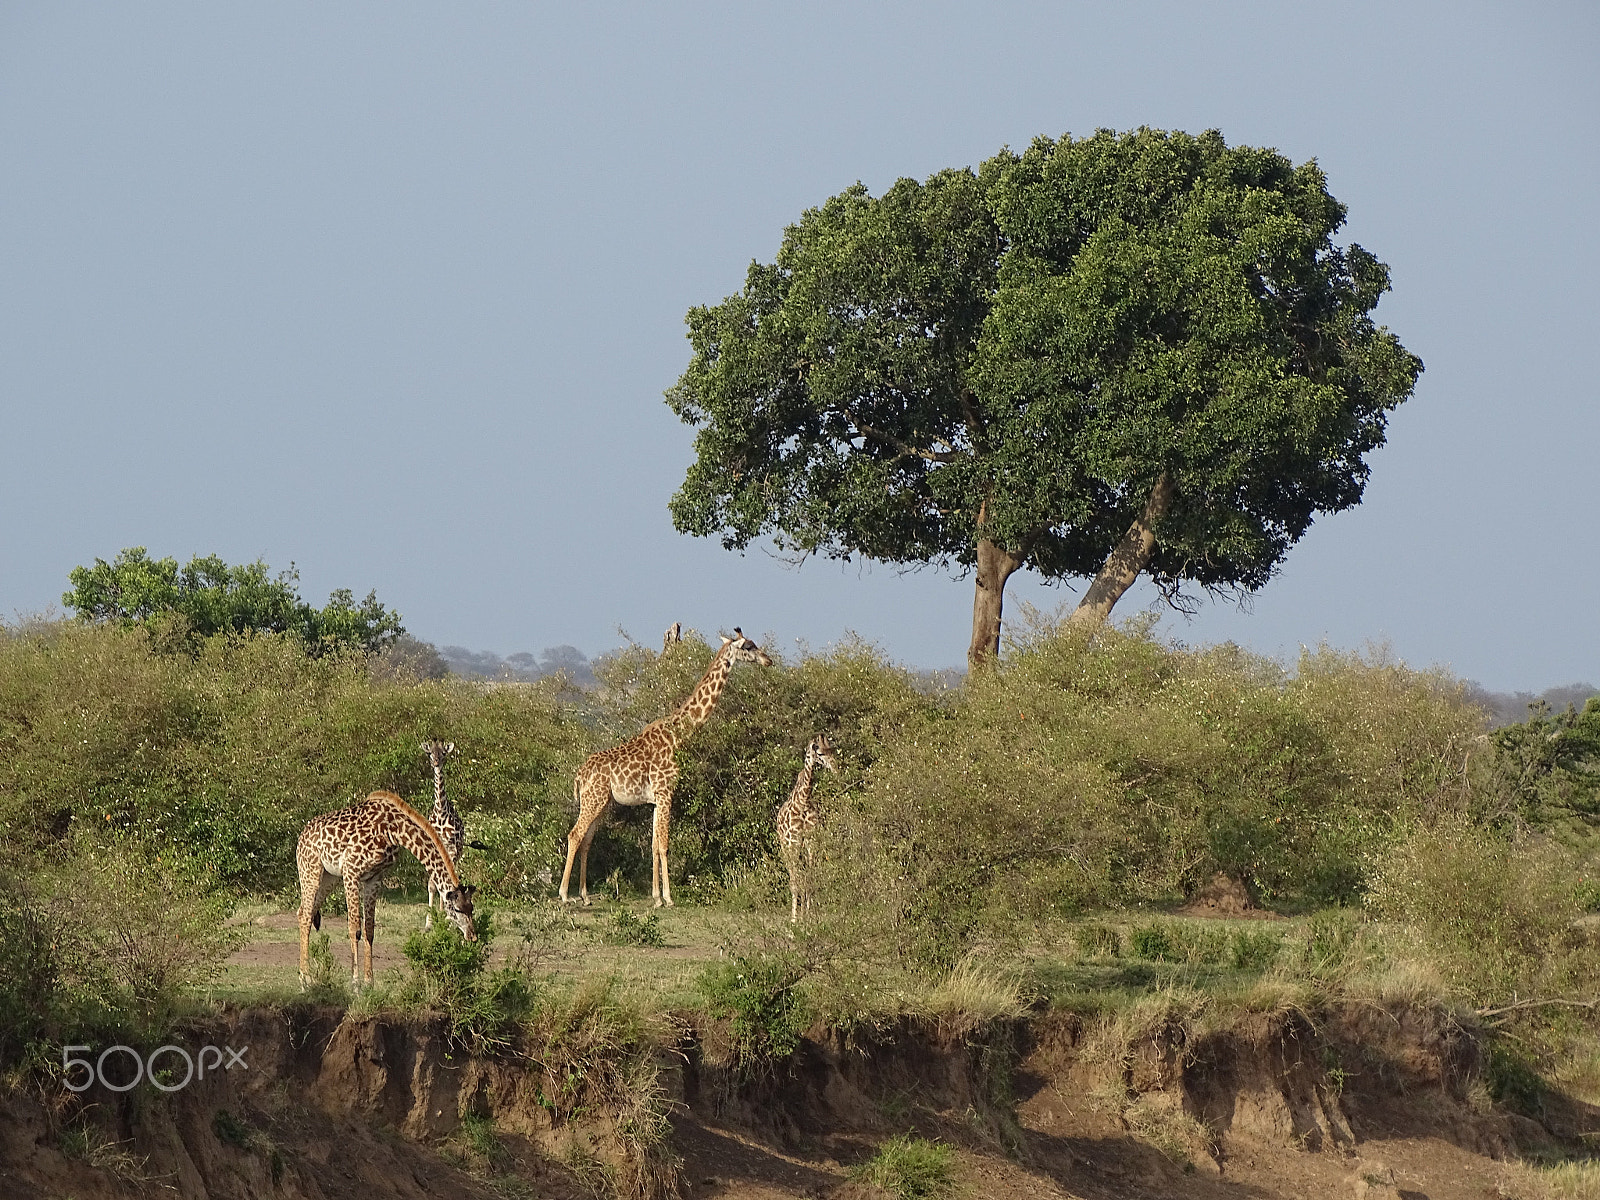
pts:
[642, 770]
[445, 818]
[359, 843]
[798, 819]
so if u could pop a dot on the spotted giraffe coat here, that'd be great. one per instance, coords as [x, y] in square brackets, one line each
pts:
[358, 844]
[798, 819]
[452, 829]
[644, 770]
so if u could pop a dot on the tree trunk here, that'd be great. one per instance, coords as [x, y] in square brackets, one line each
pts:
[995, 566]
[1123, 564]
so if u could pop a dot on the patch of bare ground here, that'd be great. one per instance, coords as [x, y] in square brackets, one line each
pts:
[1225, 897]
[1360, 1101]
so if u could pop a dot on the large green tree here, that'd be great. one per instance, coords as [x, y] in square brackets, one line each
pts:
[1125, 354]
[212, 597]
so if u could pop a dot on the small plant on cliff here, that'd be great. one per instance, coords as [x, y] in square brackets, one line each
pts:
[329, 982]
[448, 973]
[600, 1051]
[910, 1168]
[759, 994]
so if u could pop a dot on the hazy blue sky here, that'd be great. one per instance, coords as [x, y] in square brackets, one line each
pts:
[393, 291]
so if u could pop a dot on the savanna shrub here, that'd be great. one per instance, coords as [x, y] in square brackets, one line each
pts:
[910, 1168]
[105, 937]
[759, 993]
[227, 753]
[1497, 915]
[1108, 770]
[449, 973]
[1152, 942]
[626, 929]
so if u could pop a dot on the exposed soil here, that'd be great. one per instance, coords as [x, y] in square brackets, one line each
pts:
[1271, 1106]
[1225, 896]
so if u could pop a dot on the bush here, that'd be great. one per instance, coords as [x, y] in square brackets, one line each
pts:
[485, 1009]
[227, 754]
[1153, 943]
[1114, 770]
[910, 1168]
[1253, 951]
[758, 992]
[106, 938]
[1497, 915]
[626, 929]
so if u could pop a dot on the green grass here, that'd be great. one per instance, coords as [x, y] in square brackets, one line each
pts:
[911, 1168]
[1065, 964]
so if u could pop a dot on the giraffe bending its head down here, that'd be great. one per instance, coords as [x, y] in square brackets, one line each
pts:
[643, 771]
[445, 818]
[798, 819]
[358, 844]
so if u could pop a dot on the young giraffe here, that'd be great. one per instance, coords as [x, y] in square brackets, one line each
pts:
[798, 819]
[358, 844]
[643, 771]
[445, 818]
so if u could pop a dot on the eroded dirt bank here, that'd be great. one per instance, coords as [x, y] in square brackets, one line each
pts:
[1267, 1105]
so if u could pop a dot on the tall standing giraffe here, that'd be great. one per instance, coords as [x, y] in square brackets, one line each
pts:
[445, 818]
[798, 819]
[643, 770]
[358, 844]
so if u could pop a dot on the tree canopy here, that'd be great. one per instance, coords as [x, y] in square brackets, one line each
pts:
[1122, 354]
[212, 597]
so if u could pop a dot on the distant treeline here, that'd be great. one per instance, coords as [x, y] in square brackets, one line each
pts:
[522, 666]
[1510, 708]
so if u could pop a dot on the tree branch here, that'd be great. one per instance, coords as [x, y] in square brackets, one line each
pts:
[974, 420]
[1522, 1005]
[938, 456]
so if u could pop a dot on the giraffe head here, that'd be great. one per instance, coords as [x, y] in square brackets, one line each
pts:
[437, 751]
[458, 907]
[739, 648]
[820, 752]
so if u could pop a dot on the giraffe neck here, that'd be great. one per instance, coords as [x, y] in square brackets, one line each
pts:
[696, 710]
[409, 831]
[800, 796]
[444, 813]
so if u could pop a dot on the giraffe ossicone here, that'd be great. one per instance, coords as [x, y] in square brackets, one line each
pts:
[643, 770]
[798, 820]
[358, 844]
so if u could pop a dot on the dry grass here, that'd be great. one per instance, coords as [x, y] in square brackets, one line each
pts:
[1566, 1181]
[1160, 1120]
[973, 994]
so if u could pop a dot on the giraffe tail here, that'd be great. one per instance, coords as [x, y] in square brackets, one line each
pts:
[316, 919]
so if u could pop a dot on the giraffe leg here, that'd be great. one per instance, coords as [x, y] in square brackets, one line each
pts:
[583, 861]
[583, 831]
[311, 912]
[810, 876]
[369, 908]
[655, 856]
[352, 906]
[310, 907]
[658, 853]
